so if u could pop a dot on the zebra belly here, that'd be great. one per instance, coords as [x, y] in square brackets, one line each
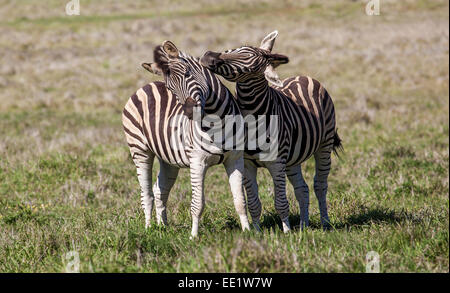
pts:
[297, 157]
[169, 144]
[302, 144]
[295, 151]
[178, 148]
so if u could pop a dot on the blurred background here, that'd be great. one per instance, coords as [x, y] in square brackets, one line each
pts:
[65, 171]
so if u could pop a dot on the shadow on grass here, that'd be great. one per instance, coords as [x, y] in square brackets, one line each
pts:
[377, 215]
[364, 217]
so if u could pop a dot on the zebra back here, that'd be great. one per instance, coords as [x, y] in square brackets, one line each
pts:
[310, 116]
[147, 124]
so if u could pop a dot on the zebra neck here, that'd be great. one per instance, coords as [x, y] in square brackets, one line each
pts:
[220, 101]
[252, 93]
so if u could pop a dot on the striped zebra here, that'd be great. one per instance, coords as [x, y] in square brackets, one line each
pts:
[158, 121]
[306, 125]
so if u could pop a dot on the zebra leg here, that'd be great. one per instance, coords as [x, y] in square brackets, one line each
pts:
[144, 172]
[251, 188]
[235, 170]
[198, 170]
[323, 165]
[166, 178]
[278, 172]
[301, 191]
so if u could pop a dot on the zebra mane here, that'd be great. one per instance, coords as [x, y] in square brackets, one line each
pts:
[162, 59]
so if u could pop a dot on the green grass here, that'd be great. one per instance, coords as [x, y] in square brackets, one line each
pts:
[67, 182]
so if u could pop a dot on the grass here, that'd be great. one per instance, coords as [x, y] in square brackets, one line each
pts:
[67, 182]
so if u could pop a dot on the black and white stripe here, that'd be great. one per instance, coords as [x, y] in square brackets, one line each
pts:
[157, 121]
[306, 125]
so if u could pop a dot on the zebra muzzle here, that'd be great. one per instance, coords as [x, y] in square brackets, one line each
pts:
[189, 107]
[211, 60]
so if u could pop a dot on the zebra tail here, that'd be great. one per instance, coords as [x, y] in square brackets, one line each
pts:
[337, 144]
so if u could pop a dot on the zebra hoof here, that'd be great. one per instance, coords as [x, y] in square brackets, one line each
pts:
[286, 225]
[256, 226]
[304, 224]
[326, 225]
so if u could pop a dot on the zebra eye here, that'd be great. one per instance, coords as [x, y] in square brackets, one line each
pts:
[187, 73]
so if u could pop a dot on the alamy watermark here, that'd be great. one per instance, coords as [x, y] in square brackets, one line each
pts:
[72, 262]
[373, 7]
[73, 7]
[372, 262]
[234, 132]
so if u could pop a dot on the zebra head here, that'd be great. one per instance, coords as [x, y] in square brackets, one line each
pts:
[247, 62]
[183, 76]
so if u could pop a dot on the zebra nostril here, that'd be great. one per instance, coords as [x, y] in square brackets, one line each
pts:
[217, 62]
[188, 107]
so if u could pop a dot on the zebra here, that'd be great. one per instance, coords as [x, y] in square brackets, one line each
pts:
[159, 120]
[306, 125]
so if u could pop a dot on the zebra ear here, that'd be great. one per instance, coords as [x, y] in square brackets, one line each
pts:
[272, 76]
[170, 49]
[153, 68]
[268, 41]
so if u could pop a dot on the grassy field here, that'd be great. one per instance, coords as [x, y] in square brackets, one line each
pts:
[67, 182]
